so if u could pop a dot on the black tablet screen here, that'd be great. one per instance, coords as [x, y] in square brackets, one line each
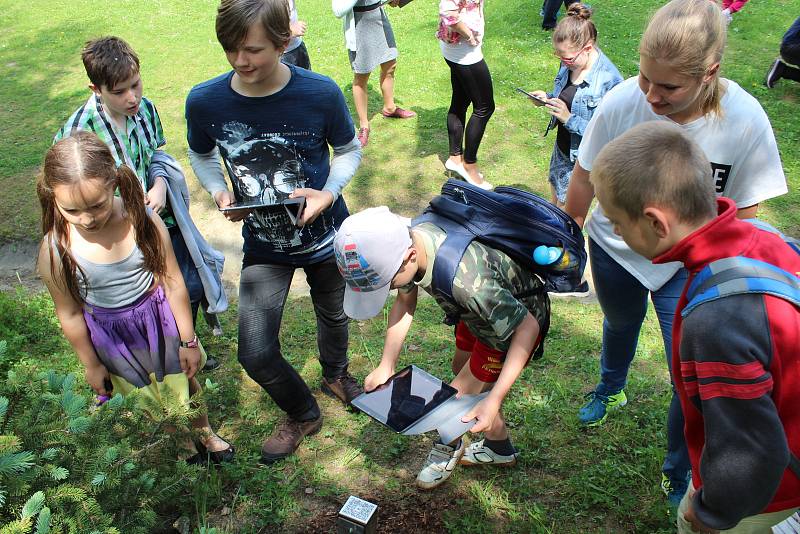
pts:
[405, 398]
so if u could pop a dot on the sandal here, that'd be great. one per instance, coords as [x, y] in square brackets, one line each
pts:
[363, 136]
[205, 456]
[399, 113]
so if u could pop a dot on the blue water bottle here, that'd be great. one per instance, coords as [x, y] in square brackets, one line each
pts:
[544, 255]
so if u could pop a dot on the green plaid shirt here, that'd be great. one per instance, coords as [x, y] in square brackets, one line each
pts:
[143, 134]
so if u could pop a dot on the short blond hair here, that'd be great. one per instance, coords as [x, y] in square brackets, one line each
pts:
[656, 164]
[689, 36]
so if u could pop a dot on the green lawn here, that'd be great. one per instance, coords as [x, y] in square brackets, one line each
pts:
[568, 480]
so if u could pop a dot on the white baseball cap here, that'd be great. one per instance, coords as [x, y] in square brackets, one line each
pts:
[369, 249]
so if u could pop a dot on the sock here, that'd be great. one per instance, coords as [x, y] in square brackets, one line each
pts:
[500, 446]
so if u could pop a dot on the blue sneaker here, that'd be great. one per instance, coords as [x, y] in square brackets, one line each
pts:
[673, 491]
[596, 409]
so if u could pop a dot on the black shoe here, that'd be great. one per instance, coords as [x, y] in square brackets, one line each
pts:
[343, 387]
[211, 364]
[775, 73]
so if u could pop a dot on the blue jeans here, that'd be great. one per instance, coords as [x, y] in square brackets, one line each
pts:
[624, 302]
[263, 289]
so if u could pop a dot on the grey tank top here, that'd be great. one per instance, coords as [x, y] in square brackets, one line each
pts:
[114, 285]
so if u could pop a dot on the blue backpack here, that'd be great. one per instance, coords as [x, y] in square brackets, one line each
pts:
[510, 220]
[737, 275]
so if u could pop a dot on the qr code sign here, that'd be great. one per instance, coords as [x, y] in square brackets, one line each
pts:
[358, 509]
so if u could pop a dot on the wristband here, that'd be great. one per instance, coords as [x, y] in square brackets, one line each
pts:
[191, 344]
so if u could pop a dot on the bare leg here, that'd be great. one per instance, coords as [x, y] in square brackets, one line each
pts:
[360, 99]
[467, 384]
[387, 85]
[208, 437]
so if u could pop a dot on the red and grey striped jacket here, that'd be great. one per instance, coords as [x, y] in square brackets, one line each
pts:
[736, 367]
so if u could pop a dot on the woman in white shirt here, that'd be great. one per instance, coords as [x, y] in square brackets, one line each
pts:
[679, 81]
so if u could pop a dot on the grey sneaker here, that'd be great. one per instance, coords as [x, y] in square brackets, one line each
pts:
[439, 465]
[477, 454]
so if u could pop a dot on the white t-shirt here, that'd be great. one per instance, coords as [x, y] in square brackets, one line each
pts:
[740, 146]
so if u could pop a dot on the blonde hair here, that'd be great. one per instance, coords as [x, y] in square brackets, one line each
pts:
[577, 27]
[689, 36]
[655, 163]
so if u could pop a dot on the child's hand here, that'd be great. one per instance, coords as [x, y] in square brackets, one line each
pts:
[190, 361]
[156, 198]
[96, 376]
[377, 377]
[697, 525]
[316, 202]
[298, 28]
[485, 412]
[225, 199]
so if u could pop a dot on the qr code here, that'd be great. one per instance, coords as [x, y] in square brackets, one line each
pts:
[358, 509]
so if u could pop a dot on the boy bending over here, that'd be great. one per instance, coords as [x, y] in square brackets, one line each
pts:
[500, 305]
[735, 360]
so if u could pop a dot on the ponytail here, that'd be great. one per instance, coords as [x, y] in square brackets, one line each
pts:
[577, 27]
[147, 237]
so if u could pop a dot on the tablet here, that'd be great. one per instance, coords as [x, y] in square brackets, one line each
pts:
[293, 206]
[531, 96]
[407, 397]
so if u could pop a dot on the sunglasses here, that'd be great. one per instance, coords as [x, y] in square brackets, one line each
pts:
[572, 59]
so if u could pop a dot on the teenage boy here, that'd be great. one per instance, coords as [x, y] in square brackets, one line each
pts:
[735, 360]
[129, 124]
[495, 337]
[272, 124]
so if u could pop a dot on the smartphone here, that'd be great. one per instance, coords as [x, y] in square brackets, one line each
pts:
[531, 96]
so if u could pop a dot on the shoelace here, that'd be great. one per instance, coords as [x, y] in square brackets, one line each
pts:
[595, 395]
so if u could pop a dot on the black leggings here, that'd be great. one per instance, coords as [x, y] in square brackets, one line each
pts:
[471, 84]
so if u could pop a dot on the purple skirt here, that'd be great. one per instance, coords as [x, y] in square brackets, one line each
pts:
[138, 344]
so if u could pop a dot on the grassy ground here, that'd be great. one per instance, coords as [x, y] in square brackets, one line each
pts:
[569, 480]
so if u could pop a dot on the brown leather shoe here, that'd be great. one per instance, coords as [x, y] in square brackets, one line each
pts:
[286, 438]
[343, 387]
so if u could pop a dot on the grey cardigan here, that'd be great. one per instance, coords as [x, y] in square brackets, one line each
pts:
[208, 261]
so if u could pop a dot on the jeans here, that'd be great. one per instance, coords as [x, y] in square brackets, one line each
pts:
[470, 84]
[189, 272]
[263, 289]
[624, 302]
[550, 10]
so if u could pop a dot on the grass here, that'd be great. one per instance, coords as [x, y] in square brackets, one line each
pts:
[568, 480]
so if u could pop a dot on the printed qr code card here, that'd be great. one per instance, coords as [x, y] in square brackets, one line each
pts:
[358, 510]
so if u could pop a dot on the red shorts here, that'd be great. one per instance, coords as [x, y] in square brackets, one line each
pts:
[484, 361]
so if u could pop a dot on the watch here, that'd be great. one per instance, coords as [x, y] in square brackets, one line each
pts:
[191, 344]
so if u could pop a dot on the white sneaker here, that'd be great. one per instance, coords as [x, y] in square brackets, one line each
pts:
[477, 454]
[439, 465]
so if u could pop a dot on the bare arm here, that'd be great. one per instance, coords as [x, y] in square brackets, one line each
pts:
[400, 318]
[70, 315]
[178, 298]
[522, 343]
[579, 195]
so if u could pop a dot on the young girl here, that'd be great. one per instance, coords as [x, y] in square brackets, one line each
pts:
[370, 43]
[460, 34]
[585, 76]
[115, 283]
[679, 81]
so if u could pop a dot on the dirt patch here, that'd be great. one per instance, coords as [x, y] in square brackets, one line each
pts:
[414, 513]
[18, 265]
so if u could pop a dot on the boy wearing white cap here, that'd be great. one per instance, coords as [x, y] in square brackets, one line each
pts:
[502, 309]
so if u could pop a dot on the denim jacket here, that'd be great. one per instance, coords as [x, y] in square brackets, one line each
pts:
[602, 77]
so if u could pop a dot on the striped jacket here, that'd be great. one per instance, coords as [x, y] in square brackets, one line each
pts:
[736, 367]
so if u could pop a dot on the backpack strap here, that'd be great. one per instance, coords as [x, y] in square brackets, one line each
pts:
[739, 275]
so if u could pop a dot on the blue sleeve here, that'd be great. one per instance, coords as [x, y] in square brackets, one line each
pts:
[197, 138]
[339, 129]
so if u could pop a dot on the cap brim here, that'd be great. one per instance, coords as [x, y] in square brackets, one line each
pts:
[362, 305]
